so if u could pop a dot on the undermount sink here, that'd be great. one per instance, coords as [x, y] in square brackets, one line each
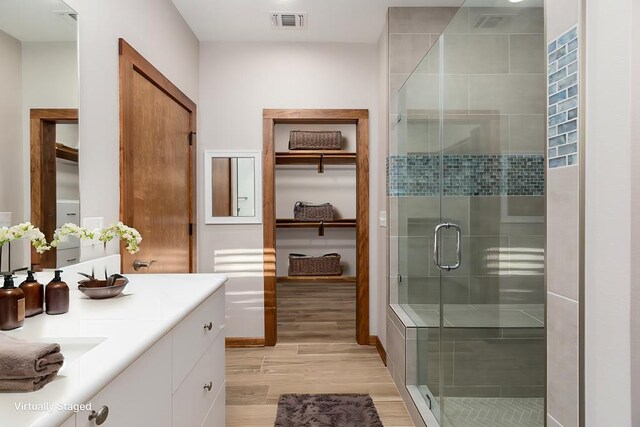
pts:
[74, 347]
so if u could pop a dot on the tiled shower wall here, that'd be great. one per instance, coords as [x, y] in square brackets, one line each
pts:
[562, 90]
[494, 143]
[412, 32]
[563, 243]
[466, 175]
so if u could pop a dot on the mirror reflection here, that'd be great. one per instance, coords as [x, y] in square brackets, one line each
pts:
[232, 183]
[39, 145]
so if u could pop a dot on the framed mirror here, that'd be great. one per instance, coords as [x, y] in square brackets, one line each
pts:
[233, 187]
[39, 145]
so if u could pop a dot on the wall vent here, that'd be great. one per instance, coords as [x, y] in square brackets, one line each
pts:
[288, 20]
[67, 15]
[492, 21]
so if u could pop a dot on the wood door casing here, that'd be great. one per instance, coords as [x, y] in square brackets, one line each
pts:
[43, 175]
[359, 118]
[157, 166]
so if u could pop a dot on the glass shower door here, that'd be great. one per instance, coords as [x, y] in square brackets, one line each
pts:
[489, 246]
[469, 176]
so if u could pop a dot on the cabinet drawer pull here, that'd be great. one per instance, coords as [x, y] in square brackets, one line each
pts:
[208, 326]
[209, 386]
[101, 416]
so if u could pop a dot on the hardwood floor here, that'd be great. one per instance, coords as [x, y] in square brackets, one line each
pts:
[316, 312]
[316, 353]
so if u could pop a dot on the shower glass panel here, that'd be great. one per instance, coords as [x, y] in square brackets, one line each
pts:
[470, 135]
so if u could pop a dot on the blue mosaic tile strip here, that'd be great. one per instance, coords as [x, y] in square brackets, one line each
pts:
[466, 175]
[562, 100]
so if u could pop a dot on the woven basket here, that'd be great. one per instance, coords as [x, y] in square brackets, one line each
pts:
[315, 140]
[325, 265]
[303, 211]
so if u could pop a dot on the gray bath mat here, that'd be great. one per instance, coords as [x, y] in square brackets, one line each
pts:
[327, 410]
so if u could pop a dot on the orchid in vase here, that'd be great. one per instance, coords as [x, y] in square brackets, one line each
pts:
[24, 231]
[129, 235]
[69, 229]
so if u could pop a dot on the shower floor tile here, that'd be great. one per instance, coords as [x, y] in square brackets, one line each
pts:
[494, 412]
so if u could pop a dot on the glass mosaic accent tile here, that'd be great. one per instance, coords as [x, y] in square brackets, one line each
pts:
[562, 96]
[466, 175]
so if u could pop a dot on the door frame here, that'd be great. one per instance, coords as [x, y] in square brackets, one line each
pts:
[43, 175]
[130, 60]
[359, 118]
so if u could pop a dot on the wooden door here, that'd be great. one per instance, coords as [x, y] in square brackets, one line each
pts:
[156, 166]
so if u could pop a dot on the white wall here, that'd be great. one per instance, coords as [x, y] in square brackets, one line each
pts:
[634, 300]
[608, 213]
[239, 80]
[156, 30]
[11, 169]
[381, 236]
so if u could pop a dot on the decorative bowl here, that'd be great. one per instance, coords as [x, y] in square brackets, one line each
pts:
[98, 289]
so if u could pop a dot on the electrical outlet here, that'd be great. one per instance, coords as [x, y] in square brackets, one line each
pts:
[92, 224]
[382, 218]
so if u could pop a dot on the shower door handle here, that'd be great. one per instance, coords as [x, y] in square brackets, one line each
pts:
[436, 246]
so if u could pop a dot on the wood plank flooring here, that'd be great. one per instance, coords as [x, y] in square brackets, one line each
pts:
[316, 353]
[316, 312]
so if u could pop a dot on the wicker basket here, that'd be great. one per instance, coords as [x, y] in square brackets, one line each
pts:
[315, 140]
[303, 211]
[325, 265]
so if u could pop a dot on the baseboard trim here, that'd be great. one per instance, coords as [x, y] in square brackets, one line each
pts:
[243, 342]
[375, 341]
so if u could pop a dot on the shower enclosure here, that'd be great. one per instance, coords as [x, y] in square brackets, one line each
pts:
[467, 210]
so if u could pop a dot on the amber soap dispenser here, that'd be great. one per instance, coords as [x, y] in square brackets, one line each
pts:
[33, 294]
[57, 295]
[11, 305]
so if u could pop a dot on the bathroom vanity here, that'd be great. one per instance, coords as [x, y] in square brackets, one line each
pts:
[154, 356]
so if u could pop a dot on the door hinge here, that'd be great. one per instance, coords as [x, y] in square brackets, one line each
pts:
[190, 229]
[192, 136]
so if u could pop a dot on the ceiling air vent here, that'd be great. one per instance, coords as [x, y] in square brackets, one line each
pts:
[288, 20]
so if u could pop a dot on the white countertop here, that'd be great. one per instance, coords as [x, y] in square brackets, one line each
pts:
[116, 331]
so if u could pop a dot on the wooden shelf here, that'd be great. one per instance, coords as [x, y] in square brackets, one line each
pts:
[320, 158]
[317, 279]
[67, 153]
[320, 225]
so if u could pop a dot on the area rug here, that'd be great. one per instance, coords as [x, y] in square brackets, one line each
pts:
[327, 410]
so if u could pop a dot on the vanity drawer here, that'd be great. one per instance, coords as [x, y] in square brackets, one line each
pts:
[67, 212]
[71, 422]
[67, 257]
[192, 337]
[216, 415]
[197, 393]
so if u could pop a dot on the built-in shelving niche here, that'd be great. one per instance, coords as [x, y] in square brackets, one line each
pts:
[344, 183]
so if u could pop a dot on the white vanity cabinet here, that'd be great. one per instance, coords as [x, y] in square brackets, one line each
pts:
[178, 382]
[71, 422]
[140, 396]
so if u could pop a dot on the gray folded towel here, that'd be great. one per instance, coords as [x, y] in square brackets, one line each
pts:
[26, 384]
[20, 359]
